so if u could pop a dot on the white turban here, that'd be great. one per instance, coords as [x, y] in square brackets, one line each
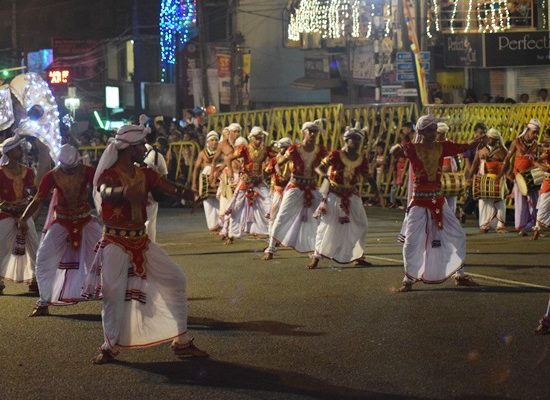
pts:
[234, 127]
[534, 124]
[256, 131]
[69, 156]
[284, 142]
[240, 141]
[126, 136]
[212, 134]
[8, 145]
[350, 132]
[442, 127]
[493, 133]
[425, 122]
[308, 125]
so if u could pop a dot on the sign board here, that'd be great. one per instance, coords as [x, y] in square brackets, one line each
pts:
[405, 65]
[503, 49]
[409, 92]
[59, 76]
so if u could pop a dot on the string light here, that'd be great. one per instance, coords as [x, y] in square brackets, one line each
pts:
[6, 108]
[177, 21]
[453, 16]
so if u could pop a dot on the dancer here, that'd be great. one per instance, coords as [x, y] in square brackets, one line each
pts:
[434, 242]
[449, 163]
[294, 225]
[342, 230]
[154, 160]
[18, 243]
[251, 203]
[543, 205]
[66, 253]
[203, 165]
[144, 291]
[489, 161]
[279, 178]
[524, 149]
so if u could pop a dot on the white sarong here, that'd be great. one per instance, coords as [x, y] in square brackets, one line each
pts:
[17, 268]
[342, 242]
[139, 312]
[294, 225]
[60, 269]
[543, 211]
[525, 211]
[152, 213]
[492, 214]
[250, 218]
[431, 254]
[212, 213]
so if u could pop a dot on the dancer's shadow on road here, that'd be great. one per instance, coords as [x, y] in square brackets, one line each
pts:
[227, 375]
[484, 289]
[272, 327]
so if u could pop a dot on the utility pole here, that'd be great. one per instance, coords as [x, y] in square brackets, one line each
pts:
[14, 32]
[137, 60]
[233, 81]
[203, 54]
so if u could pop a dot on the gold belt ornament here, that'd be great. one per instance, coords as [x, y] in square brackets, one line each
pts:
[129, 233]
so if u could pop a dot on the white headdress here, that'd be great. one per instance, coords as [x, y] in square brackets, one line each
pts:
[8, 145]
[426, 121]
[212, 134]
[284, 142]
[69, 156]
[240, 141]
[126, 136]
[234, 127]
[256, 131]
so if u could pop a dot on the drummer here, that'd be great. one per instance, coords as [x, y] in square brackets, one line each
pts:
[543, 205]
[524, 149]
[489, 161]
[449, 163]
[203, 164]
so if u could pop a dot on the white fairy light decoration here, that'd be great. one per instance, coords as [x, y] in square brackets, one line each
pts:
[6, 108]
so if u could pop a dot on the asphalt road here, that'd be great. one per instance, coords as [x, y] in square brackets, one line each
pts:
[278, 331]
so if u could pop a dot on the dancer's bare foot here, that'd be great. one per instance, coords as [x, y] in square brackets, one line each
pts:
[40, 311]
[228, 241]
[104, 357]
[267, 256]
[313, 263]
[405, 287]
[188, 350]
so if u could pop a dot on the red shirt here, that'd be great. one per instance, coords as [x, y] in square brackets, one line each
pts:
[253, 159]
[545, 158]
[525, 155]
[72, 193]
[344, 172]
[15, 188]
[278, 182]
[123, 213]
[303, 163]
[427, 162]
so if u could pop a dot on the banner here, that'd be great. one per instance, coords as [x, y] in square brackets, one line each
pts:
[223, 60]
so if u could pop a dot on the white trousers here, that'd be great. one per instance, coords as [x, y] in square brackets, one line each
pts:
[543, 211]
[151, 223]
[139, 312]
[431, 254]
[294, 225]
[60, 269]
[492, 213]
[212, 212]
[17, 268]
[342, 242]
[525, 209]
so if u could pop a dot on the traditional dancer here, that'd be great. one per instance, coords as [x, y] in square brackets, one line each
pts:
[524, 149]
[543, 205]
[398, 167]
[227, 183]
[434, 242]
[489, 160]
[203, 165]
[294, 225]
[342, 230]
[251, 203]
[449, 163]
[279, 178]
[66, 253]
[144, 291]
[154, 160]
[18, 243]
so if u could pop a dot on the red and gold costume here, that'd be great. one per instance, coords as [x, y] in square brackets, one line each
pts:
[125, 220]
[302, 167]
[525, 155]
[15, 191]
[72, 210]
[427, 163]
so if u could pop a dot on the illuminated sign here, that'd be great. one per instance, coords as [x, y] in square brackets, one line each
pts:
[58, 76]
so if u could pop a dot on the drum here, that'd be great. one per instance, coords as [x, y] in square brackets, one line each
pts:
[452, 183]
[529, 181]
[205, 189]
[489, 187]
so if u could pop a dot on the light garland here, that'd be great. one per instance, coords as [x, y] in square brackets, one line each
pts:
[177, 22]
[31, 90]
[6, 108]
[492, 15]
[333, 19]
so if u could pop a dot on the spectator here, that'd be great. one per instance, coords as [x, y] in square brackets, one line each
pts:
[542, 95]
[524, 98]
